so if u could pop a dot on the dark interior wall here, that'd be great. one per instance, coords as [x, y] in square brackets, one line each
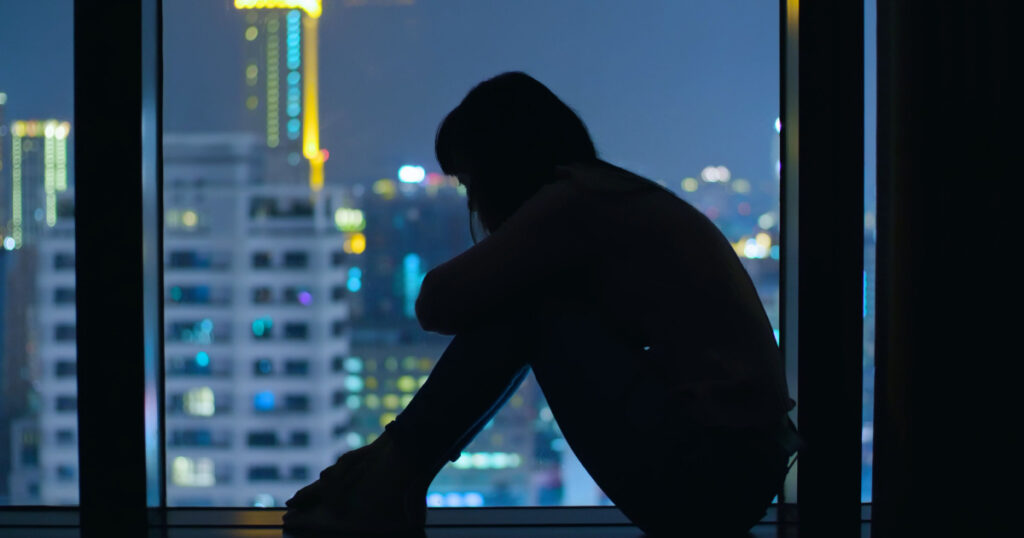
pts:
[948, 280]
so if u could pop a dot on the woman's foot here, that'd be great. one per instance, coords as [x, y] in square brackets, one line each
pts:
[370, 490]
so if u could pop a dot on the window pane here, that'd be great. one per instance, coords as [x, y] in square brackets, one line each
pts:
[323, 247]
[38, 402]
[870, 236]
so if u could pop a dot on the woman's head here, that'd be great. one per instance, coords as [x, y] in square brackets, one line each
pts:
[504, 142]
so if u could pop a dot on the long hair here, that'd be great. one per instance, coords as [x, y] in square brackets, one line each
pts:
[504, 141]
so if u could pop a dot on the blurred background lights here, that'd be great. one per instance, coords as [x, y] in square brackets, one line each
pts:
[202, 359]
[473, 498]
[199, 402]
[778, 125]
[766, 221]
[263, 500]
[353, 364]
[741, 186]
[353, 439]
[715, 174]
[349, 220]
[9, 243]
[354, 244]
[690, 184]
[411, 174]
[305, 298]
[264, 401]
[189, 218]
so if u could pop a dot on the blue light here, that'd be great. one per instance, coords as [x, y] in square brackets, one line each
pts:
[355, 272]
[293, 78]
[264, 401]
[206, 325]
[774, 252]
[411, 174]
[354, 285]
[293, 112]
[202, 359]
[294, 125]
[412, 278]
[261, 326]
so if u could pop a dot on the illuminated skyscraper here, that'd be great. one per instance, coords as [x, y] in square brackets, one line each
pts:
[38, 165]
[281, 96]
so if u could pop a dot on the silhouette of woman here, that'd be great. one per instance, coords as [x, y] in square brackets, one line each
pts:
[645, 334]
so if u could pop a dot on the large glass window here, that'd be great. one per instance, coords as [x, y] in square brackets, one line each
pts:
[38, 403]
[304, 206]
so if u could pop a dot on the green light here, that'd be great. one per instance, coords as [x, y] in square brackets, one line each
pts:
[273, 82]
[16, 216]
[50, 175]
[62, 160]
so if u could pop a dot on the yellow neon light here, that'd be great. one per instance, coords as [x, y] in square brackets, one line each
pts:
[311, 116]
[313, 8]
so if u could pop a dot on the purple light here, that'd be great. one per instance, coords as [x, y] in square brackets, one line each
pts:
[305, 298]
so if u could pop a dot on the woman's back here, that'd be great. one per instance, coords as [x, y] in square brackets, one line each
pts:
[666, 279]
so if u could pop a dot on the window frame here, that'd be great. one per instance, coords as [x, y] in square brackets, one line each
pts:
[122, 45]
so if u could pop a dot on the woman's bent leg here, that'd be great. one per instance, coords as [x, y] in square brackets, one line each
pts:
[474, 377]
[667, 477]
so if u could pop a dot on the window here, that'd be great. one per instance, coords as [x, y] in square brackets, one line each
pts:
[261, 295]
[296, 260]
[298, 295]
[359, 245]
[65, 437]
[296, 367]
[191, 437]
[64, 261]
[64, 332]
[298, 472]
[299, 439]
[191, 259]
[296, 330]
[65, 472]
[262, 367]
[296, 402]
[262, 438]
[66, 403]
[64, 295]
[263, 472]
[64, 368]
[261, 260]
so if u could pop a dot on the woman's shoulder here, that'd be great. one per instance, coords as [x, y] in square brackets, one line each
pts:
[603, 177]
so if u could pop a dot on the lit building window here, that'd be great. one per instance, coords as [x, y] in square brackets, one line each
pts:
[192, 472]
[199, 402]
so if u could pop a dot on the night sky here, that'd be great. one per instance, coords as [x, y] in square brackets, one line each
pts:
[666, 87]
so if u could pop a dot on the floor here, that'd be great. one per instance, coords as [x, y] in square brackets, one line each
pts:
[767, 530]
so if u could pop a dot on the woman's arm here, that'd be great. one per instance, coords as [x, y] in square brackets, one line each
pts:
[509, 269]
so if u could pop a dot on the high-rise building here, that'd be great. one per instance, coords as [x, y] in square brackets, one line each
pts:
[281, 78]
[37, 217]
[253, 325]
[38, 173]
